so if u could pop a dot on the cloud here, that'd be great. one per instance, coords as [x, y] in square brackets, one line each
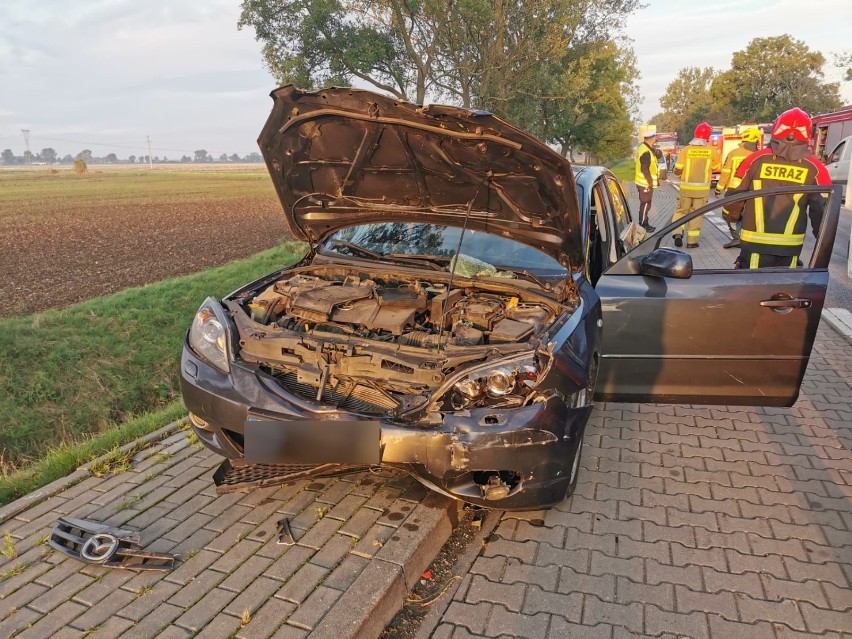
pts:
[110, 70]
[670, 35]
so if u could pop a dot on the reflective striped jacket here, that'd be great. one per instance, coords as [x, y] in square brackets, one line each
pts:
[728, 179]
[776, 224]
[653, 167]
[694, 167]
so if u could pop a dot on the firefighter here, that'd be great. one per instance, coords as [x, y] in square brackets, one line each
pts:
[773, 227]
[693, 166]
[751, 137]
[647, 175]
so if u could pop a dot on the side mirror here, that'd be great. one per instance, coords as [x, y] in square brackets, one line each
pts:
[666, 262]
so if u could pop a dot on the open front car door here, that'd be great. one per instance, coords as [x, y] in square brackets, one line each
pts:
[677, 333]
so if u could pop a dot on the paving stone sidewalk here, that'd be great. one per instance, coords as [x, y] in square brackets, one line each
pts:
[688, 521]
[362, 541]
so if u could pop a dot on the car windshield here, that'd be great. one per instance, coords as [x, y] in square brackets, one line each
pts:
[412, 240]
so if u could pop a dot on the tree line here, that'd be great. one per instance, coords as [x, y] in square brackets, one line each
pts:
[50, 156]
[560, 69]
[765, 79]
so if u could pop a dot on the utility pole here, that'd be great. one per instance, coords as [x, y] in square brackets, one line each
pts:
[150, 157]
[28, 156]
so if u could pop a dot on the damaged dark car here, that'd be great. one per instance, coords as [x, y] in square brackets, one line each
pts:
[448, 317]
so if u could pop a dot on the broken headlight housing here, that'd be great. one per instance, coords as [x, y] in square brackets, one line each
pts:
[208, 335]
[505, 383]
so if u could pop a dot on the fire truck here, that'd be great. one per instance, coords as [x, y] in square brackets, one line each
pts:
[725, 139]
[667, 143]
[829, 129]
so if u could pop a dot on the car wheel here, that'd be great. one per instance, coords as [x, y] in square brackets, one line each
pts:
[575, 472]
[590, 393]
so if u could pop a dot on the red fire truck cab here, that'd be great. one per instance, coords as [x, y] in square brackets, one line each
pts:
[829, 129]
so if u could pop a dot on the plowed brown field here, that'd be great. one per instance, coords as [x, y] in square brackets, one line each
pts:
[65, 238]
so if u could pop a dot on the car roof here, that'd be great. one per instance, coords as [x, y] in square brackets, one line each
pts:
[585, 176]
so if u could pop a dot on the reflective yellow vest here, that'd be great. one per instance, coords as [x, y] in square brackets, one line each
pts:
[729, 178]
[694, 166]
[654, 168]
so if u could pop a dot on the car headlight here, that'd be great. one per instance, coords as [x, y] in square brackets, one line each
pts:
[208, 336]
[506, 382]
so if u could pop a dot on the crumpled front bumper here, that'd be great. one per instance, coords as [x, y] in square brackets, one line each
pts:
[535, 445]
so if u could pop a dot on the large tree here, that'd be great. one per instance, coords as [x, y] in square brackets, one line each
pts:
[312, 43]
[582, 101]
[843, 60]
[512, 57]
[775, 74]
[768, 77]
[686, 101]
[48, 155]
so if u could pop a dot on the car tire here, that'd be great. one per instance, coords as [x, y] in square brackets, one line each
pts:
[575, 466]
[575, 472]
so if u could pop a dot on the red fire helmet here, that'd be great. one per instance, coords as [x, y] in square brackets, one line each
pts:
[793, 124]
[703, 131]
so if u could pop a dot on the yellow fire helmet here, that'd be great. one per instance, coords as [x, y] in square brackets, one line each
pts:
[752, 135]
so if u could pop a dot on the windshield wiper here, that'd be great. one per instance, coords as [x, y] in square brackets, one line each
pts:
[433, 261]
[358, 249]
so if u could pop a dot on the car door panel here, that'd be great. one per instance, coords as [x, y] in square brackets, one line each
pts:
[740, 337]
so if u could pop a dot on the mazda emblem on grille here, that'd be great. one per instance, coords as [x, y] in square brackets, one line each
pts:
[99, 548]
[96, 543]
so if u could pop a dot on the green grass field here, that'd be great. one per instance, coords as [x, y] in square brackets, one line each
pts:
[69, 374]
[623, 169]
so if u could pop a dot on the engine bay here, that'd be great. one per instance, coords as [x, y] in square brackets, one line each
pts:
[385, 339]
[410, 312]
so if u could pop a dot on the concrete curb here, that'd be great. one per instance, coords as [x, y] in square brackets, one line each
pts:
[840, 320]
[380, 591]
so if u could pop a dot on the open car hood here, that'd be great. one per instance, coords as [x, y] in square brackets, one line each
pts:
[343, 156]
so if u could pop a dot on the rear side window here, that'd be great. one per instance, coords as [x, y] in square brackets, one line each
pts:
[619, 208]
[837, 154]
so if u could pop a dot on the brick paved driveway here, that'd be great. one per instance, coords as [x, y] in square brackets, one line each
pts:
[362, 540]
[688, 521]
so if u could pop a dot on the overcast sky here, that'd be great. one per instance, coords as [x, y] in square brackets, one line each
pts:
[104, 74]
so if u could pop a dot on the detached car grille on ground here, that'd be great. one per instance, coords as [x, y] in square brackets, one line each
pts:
[101, 545]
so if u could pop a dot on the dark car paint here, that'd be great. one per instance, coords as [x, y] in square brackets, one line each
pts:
[542, 441]
[343, 156]
[713, 338]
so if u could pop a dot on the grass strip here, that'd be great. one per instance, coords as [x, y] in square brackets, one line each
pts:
[69, 374]
[66, 458]
[623, 169]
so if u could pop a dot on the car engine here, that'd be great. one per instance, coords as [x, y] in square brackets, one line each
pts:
[378, 342]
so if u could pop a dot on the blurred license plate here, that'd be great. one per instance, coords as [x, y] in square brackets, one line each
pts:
[269, 441]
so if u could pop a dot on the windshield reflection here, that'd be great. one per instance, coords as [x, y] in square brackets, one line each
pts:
[410, 238]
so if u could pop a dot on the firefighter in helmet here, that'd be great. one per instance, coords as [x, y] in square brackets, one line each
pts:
[693, 166]
[647, 175]
[751, 137]
[774, 226]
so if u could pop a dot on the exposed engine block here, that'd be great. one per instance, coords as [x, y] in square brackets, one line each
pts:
[411, 312]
